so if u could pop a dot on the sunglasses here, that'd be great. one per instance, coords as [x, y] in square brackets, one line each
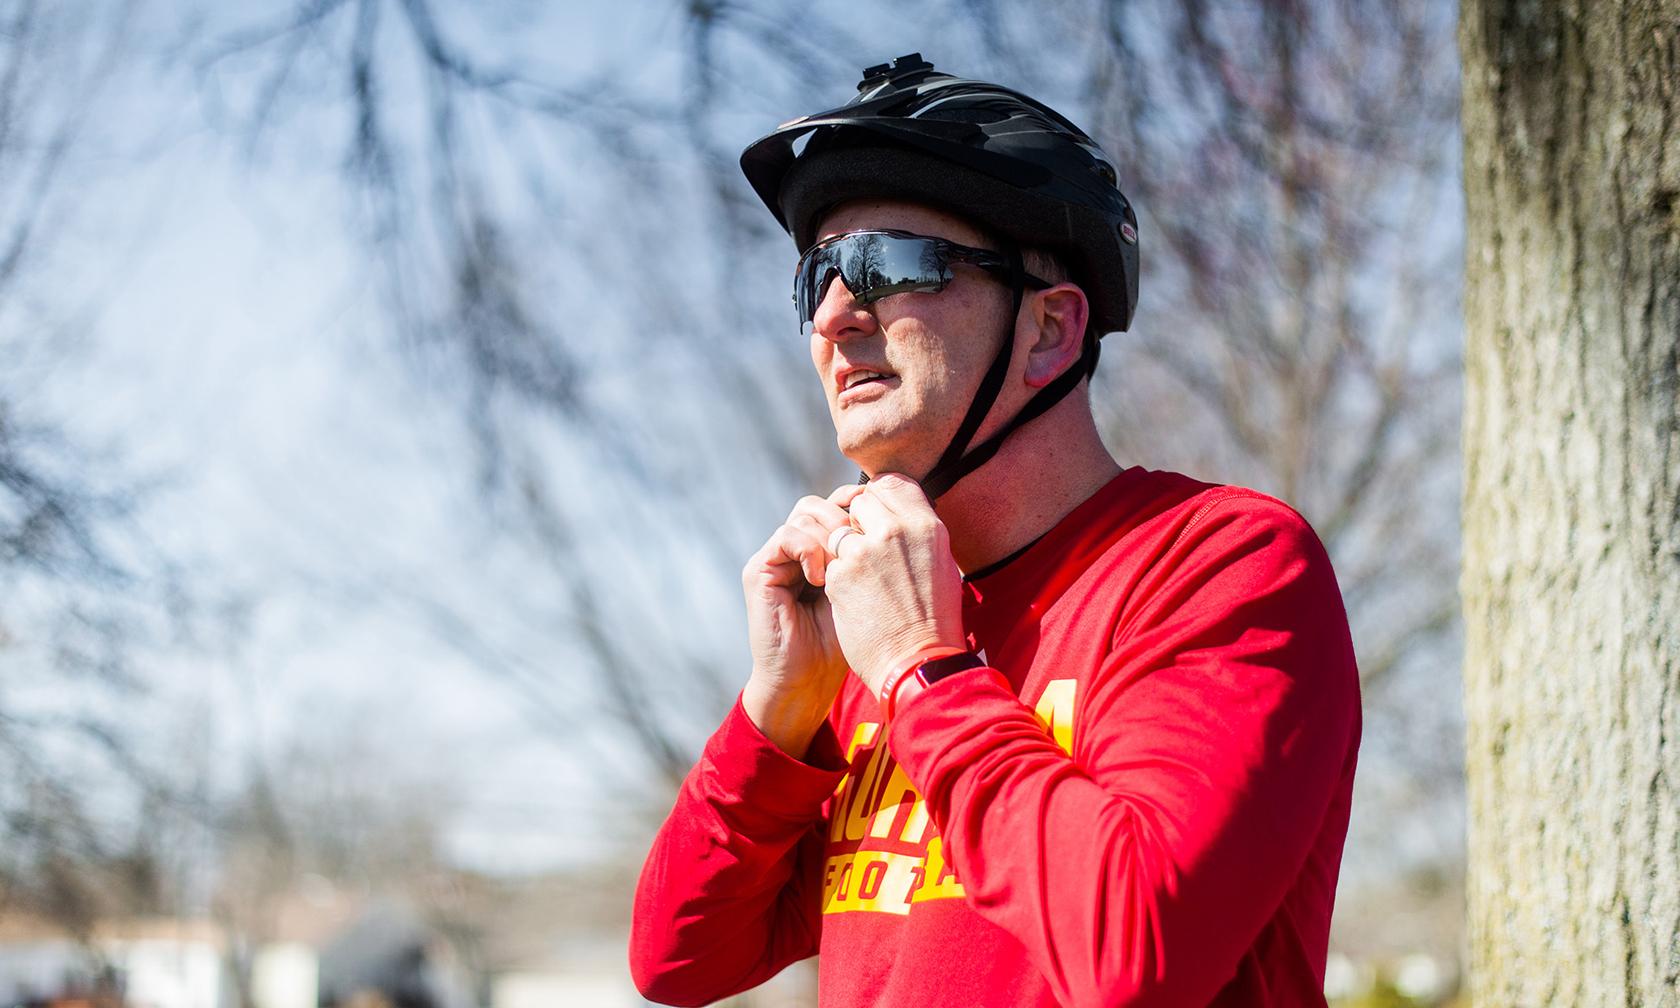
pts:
[877, 264]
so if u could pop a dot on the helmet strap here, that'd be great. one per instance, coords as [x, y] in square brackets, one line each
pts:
[942, 479]
[957, 461]
[949, 468]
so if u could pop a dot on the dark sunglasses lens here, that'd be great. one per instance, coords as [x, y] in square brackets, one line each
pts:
[815, 272]
[889, 265]
[872, 266]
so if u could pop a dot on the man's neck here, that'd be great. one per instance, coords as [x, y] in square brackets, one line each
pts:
[1043, 471]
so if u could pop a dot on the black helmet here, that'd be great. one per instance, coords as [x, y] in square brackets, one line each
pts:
[992, 155]
[988, 153]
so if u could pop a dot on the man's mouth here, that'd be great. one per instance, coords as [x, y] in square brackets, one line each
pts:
[857, 378]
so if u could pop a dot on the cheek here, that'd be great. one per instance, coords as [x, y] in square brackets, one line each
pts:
[948, 362]
[984, 337]
[821, 352]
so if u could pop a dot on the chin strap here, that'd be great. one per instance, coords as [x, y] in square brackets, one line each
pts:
[954, 464]
[943, 477]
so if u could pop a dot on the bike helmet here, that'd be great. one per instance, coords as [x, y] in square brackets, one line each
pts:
[990, 154]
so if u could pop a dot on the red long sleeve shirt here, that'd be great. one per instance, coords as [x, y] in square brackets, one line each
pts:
[1151, 813]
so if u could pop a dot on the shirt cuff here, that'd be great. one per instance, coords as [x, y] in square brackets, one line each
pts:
[741, 762]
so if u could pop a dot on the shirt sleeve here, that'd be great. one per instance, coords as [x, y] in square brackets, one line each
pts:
[1208, 746]
[730, 893]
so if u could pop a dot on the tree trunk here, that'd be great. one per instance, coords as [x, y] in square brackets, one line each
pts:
[1571, 576]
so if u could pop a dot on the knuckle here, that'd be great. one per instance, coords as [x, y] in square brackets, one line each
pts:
[753, 571]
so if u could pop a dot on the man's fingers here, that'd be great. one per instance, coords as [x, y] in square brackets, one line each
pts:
[817, 532]
[827, 514]
[801, 544]
[871, 516]
[900, 494]
[792, 555]
[844, 495]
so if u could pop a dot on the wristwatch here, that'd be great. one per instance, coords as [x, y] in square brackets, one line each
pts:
[924, 669]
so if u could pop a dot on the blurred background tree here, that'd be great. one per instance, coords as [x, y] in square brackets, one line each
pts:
[81, 589]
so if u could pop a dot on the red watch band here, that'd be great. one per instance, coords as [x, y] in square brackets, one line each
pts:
[915, 675]
[909, 665]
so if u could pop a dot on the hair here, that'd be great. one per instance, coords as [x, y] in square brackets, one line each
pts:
[1047, 266]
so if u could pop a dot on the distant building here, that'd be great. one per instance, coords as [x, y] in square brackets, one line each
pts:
[385, 958]
[146, 963]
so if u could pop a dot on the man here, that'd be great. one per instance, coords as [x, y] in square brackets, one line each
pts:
[1051, 732]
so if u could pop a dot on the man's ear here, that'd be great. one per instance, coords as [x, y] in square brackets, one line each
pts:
[1057, 320]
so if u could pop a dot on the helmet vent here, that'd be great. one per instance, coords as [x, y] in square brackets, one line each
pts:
[978, 113]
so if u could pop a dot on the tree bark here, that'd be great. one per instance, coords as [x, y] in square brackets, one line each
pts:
[1571, 577]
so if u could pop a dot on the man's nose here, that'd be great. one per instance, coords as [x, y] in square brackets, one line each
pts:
[840, 316]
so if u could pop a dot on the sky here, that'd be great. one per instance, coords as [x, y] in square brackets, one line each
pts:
[238, 361]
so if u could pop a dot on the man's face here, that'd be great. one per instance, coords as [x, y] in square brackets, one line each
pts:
[933, 348]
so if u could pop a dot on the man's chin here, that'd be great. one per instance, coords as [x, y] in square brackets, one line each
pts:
[869, 462]
[872, 461]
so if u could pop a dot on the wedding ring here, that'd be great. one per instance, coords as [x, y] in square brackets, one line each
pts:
[835, 537]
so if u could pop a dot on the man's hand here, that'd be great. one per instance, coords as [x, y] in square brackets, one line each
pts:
[798, 666]
[894, 586]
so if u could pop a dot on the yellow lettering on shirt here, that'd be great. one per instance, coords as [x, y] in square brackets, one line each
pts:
[883, 882]
[876, 796]
[1055, 711]
[898, 793]
[860, 805]
[845, 791]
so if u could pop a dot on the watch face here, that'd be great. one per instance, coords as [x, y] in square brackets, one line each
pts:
[940, 668]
